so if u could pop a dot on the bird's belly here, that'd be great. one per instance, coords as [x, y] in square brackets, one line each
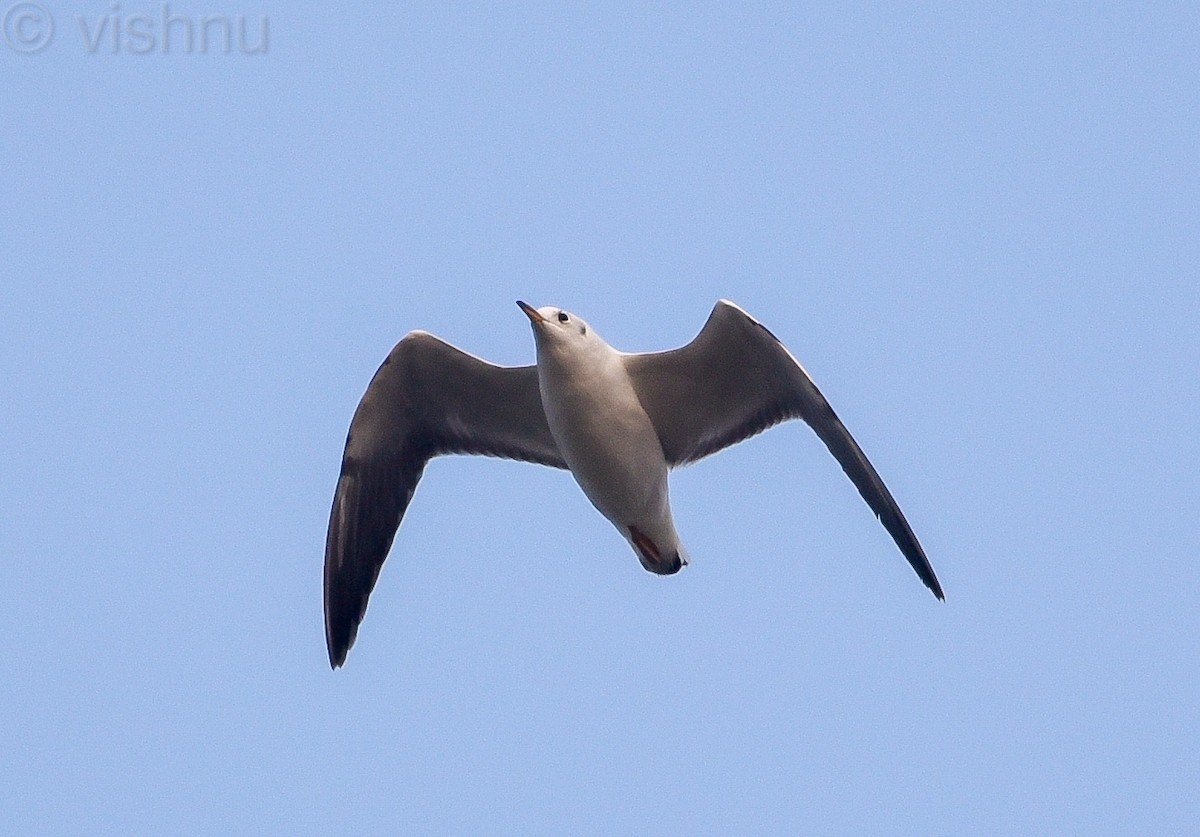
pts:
[613, 452]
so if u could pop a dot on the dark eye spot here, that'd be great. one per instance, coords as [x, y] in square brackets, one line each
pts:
[562, 316]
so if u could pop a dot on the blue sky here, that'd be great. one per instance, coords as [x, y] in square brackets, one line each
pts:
[977, 229]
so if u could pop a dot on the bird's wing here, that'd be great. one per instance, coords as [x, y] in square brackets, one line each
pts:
[735, 379]
[428, 398]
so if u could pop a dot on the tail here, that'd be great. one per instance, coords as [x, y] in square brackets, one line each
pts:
[654, 559]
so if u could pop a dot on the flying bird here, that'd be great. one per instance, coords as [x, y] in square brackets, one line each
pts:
[617, 421]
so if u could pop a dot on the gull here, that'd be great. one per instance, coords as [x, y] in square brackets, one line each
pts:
[619, 422]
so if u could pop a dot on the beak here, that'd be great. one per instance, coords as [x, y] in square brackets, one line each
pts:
[531, 312]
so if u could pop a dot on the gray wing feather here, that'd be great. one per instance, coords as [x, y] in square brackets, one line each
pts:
[734, 380]
[427, 398]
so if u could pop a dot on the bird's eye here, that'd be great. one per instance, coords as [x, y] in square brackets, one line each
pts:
[562, 316]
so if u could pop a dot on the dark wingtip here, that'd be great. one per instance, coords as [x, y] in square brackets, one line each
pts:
[340, 629]
[912, 551]
[932, 583]
[338, 640]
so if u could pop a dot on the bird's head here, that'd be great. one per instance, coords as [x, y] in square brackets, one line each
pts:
[558, 331]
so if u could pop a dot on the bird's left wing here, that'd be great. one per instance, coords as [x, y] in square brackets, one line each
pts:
[735, 379]
[428, 398]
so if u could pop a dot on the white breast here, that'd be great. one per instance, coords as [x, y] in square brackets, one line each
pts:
[604, 433]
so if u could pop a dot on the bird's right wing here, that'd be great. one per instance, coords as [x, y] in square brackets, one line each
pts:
[428, 398]
[735, 379]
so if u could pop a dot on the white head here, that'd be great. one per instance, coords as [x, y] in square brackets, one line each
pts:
[560, 333]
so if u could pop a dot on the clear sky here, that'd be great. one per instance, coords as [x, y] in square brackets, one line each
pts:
[978, 230]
